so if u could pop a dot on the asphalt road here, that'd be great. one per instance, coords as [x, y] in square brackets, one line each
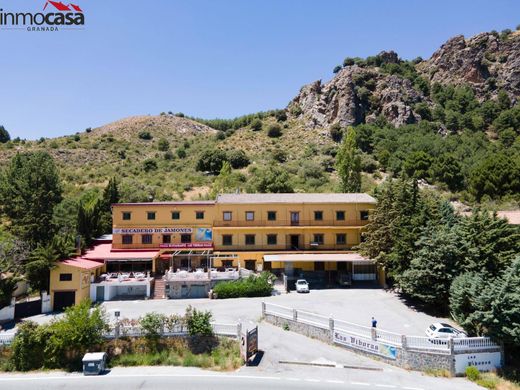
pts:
[186, 378]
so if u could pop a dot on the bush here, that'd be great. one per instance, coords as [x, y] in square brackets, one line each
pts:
[211, 161]
[280, 155]
[256, 125]
[274, 131]
[336, 133]
[151, 324]
[181, 153]
[163, 145]
[238, 159]
[199, 322]
[336, 69]
[146, 135]
[472, 373]
[28, 347]
[253, 286]
[149, 165]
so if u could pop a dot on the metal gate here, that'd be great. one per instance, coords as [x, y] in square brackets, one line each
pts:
[28, 309]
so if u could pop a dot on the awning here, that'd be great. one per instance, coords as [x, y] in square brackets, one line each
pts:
[311, 257]
[105, 252]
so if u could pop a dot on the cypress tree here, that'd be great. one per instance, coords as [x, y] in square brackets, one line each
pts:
[348, 163]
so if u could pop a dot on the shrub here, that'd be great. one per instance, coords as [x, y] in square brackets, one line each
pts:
[280, 115]
[280, 155]
[28, 346]
[253, 286]
[181, 153]
[146, 135]
[256, 125]
[336, 133]
[199, 322]
[163, 145]
[336, 69]
[238, 159]
[472, 373]
[88, 129]
[211, 161]
[274, 131]
[4, 135]
[151, 324]
[149, 165]
[220, 135]
[168, 155]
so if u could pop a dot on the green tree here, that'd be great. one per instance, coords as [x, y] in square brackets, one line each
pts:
[378, 237]
[89, 219]
[489, 243]
[7, 286]
[348, 163]
[465, 294]
[29, 190]
[28, 347]
[447, 169]
[224, 181]
[110, 197]
[199, 322]
[211, 161]
[417, 164]
[4, 135]
[41, 261]
[336, 133]
[80, 329]
[238, 159]
[273, 180]
[256, 125]
[434, 266]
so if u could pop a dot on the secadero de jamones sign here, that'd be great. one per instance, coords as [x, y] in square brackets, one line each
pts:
[68, 16]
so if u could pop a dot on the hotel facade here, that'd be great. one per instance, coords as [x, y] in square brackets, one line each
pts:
[298, 235]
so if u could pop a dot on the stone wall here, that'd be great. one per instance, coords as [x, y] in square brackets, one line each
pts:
[404, 358]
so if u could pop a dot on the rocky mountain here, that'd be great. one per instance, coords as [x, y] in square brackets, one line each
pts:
[385, 85]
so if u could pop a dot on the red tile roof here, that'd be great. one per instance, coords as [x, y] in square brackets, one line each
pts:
[80, 262]
[105, 252]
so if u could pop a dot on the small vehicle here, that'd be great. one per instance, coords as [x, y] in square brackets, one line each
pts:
[302, 286]
[94, 363]
[440, 330]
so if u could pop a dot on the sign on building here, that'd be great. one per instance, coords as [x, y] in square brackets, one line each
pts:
[484, 361]
[192, 245]
[365, 344]
[182, 230]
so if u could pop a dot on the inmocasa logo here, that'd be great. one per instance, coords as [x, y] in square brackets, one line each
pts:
[68, 17]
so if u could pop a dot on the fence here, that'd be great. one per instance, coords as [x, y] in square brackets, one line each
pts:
[417, 343]
[220, 329]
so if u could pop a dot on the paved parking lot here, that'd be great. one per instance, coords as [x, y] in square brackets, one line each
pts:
[353, 305]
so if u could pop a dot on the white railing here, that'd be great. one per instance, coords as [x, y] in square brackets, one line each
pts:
[312, 319]
[359, 330]
[6, 339]
[431, 344]
[226, 329]
[472, 343]
[434, 345]
[389, 337]
[280, 311]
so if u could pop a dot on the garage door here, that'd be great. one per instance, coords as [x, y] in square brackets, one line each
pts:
[63, 299]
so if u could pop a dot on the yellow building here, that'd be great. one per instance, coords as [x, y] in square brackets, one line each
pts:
[244, 230]
[70, 281]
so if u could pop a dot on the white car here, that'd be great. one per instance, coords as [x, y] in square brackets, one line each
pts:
[302, 286]
[444, 331]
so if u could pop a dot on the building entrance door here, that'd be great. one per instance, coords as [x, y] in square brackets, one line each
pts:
[295, 241]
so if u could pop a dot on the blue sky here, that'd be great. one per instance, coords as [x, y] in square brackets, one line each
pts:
[208, 58]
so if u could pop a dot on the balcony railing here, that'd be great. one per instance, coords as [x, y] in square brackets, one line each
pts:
[310, 222]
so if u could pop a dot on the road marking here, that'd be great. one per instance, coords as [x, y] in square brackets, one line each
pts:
[412, 388]
[389, 386]
[333, 381]
[360, 383]
[293, 379]
[312, 380]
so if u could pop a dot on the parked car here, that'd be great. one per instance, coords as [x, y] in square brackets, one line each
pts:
[302, 286]
[439, 330]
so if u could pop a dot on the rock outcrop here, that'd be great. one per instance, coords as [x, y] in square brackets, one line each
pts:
[356, 95]
[487, 62]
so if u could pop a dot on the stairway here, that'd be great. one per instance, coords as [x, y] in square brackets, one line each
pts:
[158, 287]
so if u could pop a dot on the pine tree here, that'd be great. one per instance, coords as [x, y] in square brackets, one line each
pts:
[348, 163]
[4, 135]
[490, 243]
[378, 237]
[433, 267]
[29, 191]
